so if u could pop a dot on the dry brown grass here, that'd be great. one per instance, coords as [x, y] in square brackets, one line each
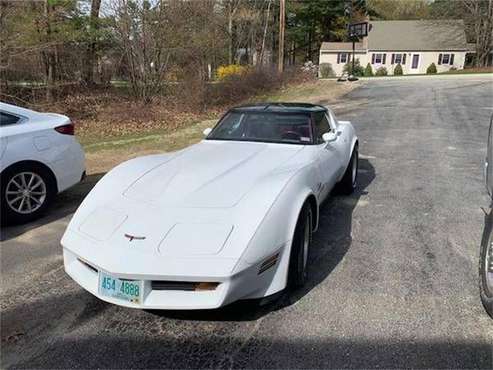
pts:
[112, 113]
[104, 154]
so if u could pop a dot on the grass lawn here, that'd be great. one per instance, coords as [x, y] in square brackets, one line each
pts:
[453, 72]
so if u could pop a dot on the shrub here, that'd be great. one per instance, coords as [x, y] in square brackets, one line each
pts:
[368, 70]
[252, 85]
[382, 71]
[398, 70]
[309, 67]
[432, 68]
[326, 70]
[358, 69]
[225, 72]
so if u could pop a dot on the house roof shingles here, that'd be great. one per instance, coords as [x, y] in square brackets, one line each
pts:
[341, 46]
[417, 35]
[422, 35]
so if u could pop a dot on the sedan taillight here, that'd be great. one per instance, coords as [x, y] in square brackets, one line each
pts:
[66, 129]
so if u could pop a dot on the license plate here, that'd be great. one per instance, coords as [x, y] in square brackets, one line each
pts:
[126, 290]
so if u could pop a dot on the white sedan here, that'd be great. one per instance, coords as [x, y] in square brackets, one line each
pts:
[226, 219]
[39, 157]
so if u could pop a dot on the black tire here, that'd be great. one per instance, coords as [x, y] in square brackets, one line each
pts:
[486, 247]
[9, 216]
[349, 181]
[297, 273]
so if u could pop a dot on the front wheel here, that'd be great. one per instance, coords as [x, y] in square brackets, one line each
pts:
[299, 249]
[486, 269]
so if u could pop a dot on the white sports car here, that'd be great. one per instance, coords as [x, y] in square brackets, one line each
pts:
[226, 219]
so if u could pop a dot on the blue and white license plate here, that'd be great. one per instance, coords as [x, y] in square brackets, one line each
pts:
[126, 290]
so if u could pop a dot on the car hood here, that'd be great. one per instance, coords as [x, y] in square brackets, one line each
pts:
[211, 174]
[206, 200]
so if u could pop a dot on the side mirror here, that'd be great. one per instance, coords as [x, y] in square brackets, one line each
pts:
[207, 131]
[329, 136]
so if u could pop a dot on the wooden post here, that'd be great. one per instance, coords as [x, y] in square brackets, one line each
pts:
[282, 25]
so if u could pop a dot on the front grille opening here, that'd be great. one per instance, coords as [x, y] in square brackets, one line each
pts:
[190, 286]
[90, 267]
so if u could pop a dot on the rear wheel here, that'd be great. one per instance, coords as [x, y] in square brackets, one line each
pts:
[486, 270]
[299, 250]
[348, 183]
[26, 190]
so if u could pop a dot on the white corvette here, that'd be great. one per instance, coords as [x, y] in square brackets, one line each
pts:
[226, 219]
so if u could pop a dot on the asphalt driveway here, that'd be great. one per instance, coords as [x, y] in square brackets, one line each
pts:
[393, 269]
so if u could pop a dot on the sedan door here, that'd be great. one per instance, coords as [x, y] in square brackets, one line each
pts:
[328, 155]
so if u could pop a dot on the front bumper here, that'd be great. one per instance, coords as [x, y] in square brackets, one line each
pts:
[88, 278]
[247, 283]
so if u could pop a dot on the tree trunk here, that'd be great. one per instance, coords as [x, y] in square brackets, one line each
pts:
[293, 53]
[48, 55]
[262, 51]
[230, 33]
[309, 46]
[90, 59]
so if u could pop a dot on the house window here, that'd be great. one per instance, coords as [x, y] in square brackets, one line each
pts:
[398, 59]
[446, 59]
[378, 58]
[342, 58]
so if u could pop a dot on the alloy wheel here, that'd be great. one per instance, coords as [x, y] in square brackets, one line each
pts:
[25, 192]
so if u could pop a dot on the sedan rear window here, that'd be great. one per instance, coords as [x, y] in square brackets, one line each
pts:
[273, 127]
[8, 119]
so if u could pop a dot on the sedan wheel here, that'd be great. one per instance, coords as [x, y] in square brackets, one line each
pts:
[26, 192]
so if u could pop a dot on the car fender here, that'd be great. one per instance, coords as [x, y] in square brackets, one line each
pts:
[275, 232]
[348, 130]
[114, 183]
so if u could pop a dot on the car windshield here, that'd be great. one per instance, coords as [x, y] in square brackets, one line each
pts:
[290, 128]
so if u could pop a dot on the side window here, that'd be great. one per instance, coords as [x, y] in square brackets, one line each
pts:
[8, 119]
[321, 126]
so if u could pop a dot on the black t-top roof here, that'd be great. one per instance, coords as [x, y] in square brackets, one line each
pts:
[281, 107]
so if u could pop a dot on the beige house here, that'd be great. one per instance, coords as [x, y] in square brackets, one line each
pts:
[412, 44]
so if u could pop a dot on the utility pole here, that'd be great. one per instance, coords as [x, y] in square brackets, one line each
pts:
[282, 26]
